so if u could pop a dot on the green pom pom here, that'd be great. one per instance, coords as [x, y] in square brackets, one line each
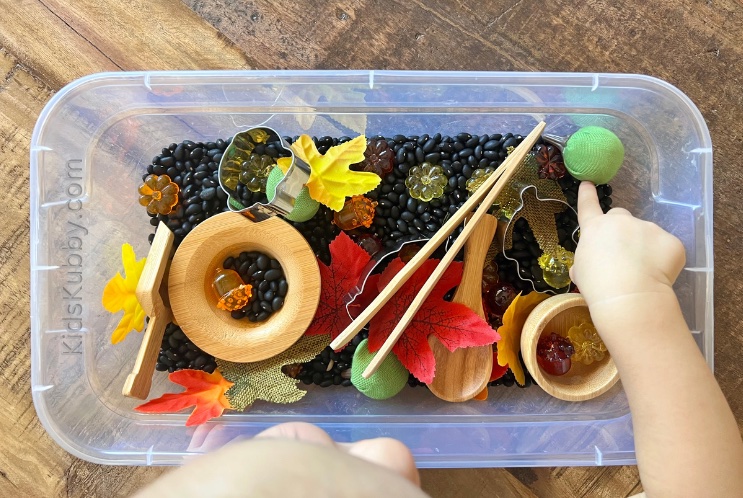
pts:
[594, 154]
[305, 206]
[387, 381]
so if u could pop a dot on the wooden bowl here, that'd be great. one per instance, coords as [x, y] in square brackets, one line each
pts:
[582, 382]
[193, 302]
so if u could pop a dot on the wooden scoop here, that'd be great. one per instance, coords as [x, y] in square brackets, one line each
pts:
[461, 375]
[152, 294]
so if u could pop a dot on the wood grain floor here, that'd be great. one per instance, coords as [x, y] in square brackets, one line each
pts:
[45, 44]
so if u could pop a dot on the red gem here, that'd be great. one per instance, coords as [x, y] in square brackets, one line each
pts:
[408, 251]
[490, 276]
[553, 354]
[379, 158]
[549, 159]
[498, 298]
[370, 243]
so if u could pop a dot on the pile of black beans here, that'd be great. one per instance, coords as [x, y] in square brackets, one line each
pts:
[330, 368]
[194, 167]
[269, 285]
[177, 352]
[399, 217]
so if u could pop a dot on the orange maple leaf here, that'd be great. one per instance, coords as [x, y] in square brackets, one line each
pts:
[205, 391]
[509, 343]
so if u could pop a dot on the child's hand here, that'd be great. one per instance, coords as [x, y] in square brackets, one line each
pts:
[619, 256]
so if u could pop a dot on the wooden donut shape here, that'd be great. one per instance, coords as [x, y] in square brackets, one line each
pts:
[194, 303]
[582, 382]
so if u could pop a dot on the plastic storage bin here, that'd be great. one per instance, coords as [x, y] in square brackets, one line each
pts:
[94, 139]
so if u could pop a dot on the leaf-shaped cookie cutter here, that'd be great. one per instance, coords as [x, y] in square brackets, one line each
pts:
[509, 228]
[377, 260]
[287, 189]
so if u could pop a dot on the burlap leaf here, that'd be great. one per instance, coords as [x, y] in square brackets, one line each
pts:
[264, 380]
[527, 175]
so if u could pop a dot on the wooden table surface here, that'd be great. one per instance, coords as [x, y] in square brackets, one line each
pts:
[45, 44]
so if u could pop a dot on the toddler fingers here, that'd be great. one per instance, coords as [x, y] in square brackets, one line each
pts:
[588, 203]
[388, 453]
[299, 431]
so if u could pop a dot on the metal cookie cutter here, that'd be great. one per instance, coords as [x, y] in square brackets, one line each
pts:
[243, 145]
[511, 222]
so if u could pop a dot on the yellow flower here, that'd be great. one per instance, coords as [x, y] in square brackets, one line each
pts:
[119, 294]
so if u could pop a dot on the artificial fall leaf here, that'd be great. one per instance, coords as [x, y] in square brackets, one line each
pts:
[455, 325]
[497, 372]
[347, 261]
[509, 344]
[265, 380]
[205, 391]
[119, 294]
[331, 179]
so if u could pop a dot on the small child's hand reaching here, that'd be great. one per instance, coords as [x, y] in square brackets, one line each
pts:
[620, 256]
[686, 437]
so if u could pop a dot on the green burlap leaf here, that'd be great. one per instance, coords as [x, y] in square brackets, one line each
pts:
[264, 380]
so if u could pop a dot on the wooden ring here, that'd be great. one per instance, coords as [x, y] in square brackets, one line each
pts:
[582, 382]
[193, 302]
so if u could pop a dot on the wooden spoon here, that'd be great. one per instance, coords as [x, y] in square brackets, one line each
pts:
[152, 294]
[462, 374]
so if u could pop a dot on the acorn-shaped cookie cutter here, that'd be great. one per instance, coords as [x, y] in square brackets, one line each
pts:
[509, 228]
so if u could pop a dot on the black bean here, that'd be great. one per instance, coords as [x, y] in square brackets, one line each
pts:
[429, 145]
[263, 262]
[277, 302]
[193, 209]
[466, 153]
[208, 194]
[510, 142]
[407, 216]
[433, 157]
[272, 274]
[283, 287]
[400, 156]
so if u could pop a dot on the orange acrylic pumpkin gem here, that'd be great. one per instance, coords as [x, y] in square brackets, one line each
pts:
[159, 194]
[357, 211]
[232, 293]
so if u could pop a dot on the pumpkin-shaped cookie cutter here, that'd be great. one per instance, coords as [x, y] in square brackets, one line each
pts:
[287, 189]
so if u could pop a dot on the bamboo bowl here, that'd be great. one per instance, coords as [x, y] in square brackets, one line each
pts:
[194, 304]
[582, 382]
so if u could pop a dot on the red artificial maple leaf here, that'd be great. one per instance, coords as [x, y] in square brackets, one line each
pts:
[205, 391]
[455, 325]
[347, 261]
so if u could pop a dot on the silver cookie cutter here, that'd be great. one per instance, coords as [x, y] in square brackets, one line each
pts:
[509, 227]
[287, 189]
